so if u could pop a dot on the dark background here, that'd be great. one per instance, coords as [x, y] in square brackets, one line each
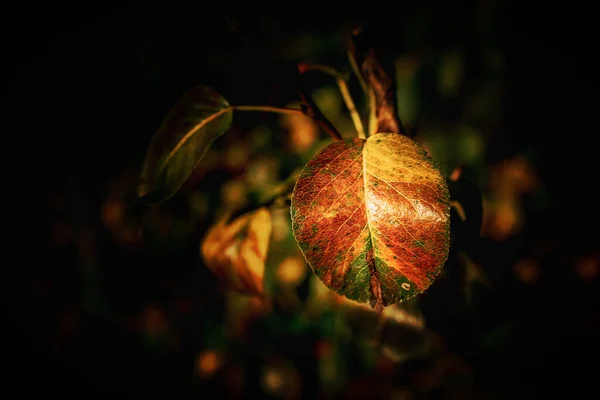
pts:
[86, 88]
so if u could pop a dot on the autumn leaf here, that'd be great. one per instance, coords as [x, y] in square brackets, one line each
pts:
[372, 218]
[185, 135]
[236, 251]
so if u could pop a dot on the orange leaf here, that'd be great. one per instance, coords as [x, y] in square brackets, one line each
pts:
[236, 251]
[372, 218]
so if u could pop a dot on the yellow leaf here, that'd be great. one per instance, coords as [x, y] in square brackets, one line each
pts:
[236, 250]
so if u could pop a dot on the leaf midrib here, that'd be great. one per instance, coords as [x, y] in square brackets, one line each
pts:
[367, 212]
[192, 132]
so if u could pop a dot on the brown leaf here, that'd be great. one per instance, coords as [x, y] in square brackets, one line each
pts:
[236, 251]
[379, 85]
[382, 89]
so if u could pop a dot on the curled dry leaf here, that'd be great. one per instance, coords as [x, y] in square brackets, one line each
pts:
[236, 250]
[372, 218]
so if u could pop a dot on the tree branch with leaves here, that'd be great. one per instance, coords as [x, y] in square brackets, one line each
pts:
[370, 214]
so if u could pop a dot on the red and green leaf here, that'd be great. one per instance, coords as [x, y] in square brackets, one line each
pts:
[372, 218]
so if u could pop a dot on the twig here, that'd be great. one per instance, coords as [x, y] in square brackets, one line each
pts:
[281, 200]
[312, 110]
[279, 110]
[343, 86]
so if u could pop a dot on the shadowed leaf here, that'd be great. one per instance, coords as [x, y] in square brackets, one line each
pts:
[236, 251]
[372, 218]
[181, 141]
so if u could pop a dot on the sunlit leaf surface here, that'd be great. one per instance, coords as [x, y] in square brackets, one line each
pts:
[372, 218]
[185, 135]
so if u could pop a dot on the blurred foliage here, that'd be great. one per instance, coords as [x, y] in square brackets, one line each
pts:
[123, 301]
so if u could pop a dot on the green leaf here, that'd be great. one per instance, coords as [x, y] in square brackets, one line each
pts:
[372, 218]
[177, 147]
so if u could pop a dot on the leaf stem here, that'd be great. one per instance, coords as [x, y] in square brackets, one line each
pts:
[372, 111]
[367, 91]
[279, 110]
[279, 200]
[311, 109]
[356, 70]
[343, 86]
[308, 111]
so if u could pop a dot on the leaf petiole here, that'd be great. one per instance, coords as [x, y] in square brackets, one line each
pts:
[306, 111]
[272, 109]
[356, 70]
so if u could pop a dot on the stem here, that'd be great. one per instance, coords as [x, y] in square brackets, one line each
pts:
[372, 112]
[303, 67]
[313, 111]
[309, 111]
[281, 200]
[352, 109]
[279, 110]
[343, 86]
[356, 70]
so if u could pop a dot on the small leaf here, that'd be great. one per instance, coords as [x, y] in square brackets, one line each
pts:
[372, 218]
[182, 140]
[236, 251]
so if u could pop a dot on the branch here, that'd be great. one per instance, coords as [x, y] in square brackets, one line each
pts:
[312, 110]
[343, 86]
[280, 200]
[278, 110]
